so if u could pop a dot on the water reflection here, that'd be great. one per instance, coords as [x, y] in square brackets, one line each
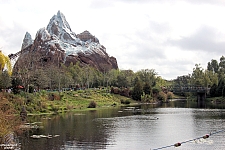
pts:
[138, 127]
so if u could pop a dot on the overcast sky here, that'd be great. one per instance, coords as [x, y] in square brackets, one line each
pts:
[170, 36]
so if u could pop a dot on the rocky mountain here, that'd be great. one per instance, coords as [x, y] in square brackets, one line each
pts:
[58, 44]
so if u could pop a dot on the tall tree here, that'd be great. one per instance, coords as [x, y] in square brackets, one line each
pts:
[124, 78]
[147, 76]
[213, 66]
[222, 66]
[88, 75]
[137, 90]
[197, 76]
[147, 89]
[111, 77]
[39, 78]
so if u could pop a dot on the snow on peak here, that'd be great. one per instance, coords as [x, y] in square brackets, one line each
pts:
[27, 41]
[59, 26]
[43, 34]
[63, 21]
[71, 43]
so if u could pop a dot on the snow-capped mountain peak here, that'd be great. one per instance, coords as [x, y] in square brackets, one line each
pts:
[58, 43]
[63, 22]
[60, 27]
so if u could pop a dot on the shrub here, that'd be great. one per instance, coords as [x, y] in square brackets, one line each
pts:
[54, 108]
[43, 105]
[92, 104]
[61, 96]
[53, 96]
[31, 89]
[162, 96]
[170, 95]
[9, 121]
[114, 104]
[127, 101]
[146, 98]
[115, 90]
[43, 92]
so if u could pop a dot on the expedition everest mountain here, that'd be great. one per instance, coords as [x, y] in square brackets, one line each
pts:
[58, 44]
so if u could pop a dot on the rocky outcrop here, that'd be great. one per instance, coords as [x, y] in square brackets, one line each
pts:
[58, 44]
[87, 36]
[27, 41]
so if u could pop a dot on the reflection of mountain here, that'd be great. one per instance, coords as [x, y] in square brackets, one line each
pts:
[59, 44]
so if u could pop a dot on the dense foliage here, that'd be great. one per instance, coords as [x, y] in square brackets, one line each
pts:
[77, 77]
[143, 85]
[212, 78]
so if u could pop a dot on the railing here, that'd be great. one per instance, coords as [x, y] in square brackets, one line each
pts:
[192, 89]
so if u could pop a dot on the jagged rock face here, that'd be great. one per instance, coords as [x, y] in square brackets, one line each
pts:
[58, 44]
[87, 36]
[27, 41]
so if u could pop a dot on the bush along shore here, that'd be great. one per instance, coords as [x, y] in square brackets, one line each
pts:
[53, 102]
[49, 102]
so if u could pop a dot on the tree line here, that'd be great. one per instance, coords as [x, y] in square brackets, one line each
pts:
[213, 77]
[144, 84]
[139, 85]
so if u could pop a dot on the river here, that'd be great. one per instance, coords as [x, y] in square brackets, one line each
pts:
[142, 127]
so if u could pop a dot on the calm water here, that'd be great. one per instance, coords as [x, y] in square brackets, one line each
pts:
[127, 128]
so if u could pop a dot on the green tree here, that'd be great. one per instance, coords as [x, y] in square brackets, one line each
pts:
[39, 79]
[137, 90]
[5, 80]
[15, 84]
[213, 66]
[213, 90]
[197, 76]
[88, 75]
[147, 75]
[220, 87]
[221, 66]
[160, 81]
[147, 89]
[97, 78]
[76, 73]
[111, 77]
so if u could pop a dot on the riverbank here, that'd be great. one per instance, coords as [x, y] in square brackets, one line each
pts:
[109, 126]
[51, 102]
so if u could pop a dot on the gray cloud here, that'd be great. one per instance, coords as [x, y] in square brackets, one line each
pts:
[202, 40]
[213, 2]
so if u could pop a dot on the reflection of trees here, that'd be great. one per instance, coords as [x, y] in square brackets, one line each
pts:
[79, 131]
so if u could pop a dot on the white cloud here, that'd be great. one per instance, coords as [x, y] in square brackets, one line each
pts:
[168, 36]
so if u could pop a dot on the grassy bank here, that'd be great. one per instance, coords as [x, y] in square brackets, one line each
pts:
[45, 102]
